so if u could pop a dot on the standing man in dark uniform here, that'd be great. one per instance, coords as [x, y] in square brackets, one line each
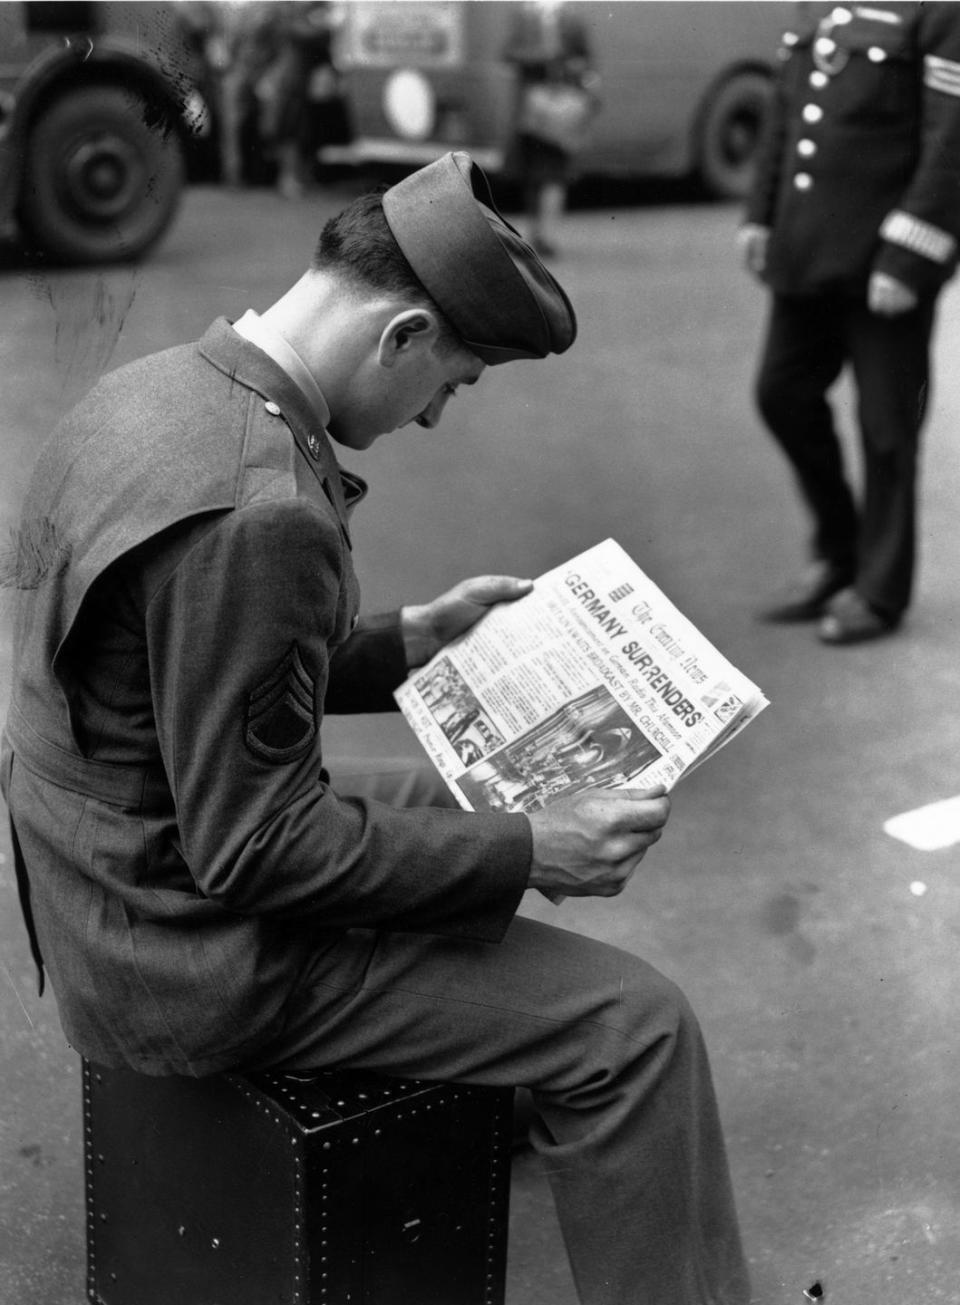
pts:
[853, 224]
[203, 894]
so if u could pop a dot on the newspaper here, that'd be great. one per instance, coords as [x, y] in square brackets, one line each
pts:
[592, 679]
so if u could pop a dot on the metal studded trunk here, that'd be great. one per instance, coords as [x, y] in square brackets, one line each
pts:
[339, 1188]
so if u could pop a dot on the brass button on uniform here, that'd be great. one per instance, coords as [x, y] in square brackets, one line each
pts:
[806, 148]
[272, 408]
[818, 79]
[812, 113]
[876, 55]
[313, 444]
[828, 56]
[803, 181]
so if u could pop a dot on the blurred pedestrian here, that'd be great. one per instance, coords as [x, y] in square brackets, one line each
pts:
[556, 99]
[237, 43]
[204, 895]
[853, 224]
[300, 73]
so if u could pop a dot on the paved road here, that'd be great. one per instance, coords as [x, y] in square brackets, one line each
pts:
[827, 987]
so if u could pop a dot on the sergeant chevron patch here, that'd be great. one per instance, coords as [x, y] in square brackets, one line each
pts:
[281, 721]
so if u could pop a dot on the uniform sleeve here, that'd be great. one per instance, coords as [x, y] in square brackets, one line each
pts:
[238, 641]
[762, 200]
[920, 236]
[366, 669]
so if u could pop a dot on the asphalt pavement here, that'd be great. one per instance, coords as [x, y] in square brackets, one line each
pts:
[819, 951]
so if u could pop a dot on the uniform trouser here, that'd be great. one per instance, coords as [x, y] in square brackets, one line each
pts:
[626, 1118]
[809, 340]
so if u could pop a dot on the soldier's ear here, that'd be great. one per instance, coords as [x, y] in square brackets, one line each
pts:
[405, 333]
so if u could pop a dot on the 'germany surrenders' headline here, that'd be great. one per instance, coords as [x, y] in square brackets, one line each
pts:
[594, 678]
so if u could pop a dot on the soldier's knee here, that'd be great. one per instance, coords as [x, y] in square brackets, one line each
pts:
[653, 1014]
[669, 1004]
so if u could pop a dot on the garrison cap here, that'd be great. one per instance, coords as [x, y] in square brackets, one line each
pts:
[481, 274]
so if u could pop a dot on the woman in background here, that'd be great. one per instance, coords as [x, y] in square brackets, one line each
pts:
[550, 50]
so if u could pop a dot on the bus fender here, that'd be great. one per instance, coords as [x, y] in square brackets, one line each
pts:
[85, 60]
[728, 128]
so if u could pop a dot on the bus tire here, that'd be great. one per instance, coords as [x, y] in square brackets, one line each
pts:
[729, 132]
[101, 181]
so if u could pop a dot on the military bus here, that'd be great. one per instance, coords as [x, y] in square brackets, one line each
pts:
[683, 87]
[96, 105]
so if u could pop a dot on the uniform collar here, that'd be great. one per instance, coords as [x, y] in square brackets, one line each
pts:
[253, 328]
[250, 365]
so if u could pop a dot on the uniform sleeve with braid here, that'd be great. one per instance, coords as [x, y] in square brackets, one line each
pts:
[921, 235]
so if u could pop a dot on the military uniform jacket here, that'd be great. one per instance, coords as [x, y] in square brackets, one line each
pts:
[860, 168]
[187, 611]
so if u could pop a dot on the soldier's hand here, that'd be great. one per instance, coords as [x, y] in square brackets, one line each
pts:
[753, 240]
[589, 844]
[429, 627]
[889, 297]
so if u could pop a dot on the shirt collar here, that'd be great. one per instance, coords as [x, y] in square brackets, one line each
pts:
[253, 328]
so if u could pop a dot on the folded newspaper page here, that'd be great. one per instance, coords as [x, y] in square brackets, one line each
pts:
[592, 679]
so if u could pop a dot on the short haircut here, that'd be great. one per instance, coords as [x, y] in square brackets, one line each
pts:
[358, 244]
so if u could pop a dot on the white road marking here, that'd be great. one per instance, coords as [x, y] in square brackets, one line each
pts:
[929, 828]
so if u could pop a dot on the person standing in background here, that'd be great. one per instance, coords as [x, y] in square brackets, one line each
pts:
[236, 44]
[853, 225]
[303, 58]
[550, 50]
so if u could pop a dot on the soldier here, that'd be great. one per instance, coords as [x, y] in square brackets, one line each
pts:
[204, 895]
[853, 224]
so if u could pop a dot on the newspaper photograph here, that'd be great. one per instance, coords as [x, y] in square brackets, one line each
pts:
[593, 679]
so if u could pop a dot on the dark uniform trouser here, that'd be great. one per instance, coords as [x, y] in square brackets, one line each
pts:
[809, 340]
[627, 1120]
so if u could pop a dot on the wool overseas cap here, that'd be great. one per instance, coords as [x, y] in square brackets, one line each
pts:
[478, 270]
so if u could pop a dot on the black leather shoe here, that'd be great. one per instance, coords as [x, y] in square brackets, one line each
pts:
[806, 599]
[850, 619]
